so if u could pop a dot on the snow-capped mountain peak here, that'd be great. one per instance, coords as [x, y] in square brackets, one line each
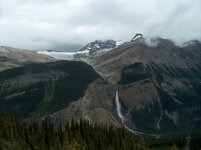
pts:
[99, 45]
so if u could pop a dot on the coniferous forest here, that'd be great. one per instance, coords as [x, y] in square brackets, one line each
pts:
[15, 134]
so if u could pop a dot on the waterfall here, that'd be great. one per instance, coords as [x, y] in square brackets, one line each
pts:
[118, 109]
[118, 106]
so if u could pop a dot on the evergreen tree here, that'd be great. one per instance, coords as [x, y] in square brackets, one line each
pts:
[16, 134]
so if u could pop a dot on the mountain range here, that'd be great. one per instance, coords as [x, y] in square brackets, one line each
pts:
[158, 85]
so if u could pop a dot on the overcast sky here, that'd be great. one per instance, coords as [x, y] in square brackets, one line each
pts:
[68, 24]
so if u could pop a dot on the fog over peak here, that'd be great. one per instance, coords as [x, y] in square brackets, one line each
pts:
[69, 24]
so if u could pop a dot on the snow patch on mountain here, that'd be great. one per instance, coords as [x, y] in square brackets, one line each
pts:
[59, 55]
[119, 42]
[100, 53]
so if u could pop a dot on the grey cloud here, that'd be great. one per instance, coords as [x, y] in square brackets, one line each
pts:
[65, 46]
[37, 39]
[68, 24]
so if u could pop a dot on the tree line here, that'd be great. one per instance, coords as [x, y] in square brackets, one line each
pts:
[15, 134]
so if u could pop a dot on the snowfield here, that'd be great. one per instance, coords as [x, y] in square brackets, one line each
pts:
[63, 55]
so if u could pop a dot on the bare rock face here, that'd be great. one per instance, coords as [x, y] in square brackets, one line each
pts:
[139, 95]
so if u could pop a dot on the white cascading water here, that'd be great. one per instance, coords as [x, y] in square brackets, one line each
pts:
[118, 108]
